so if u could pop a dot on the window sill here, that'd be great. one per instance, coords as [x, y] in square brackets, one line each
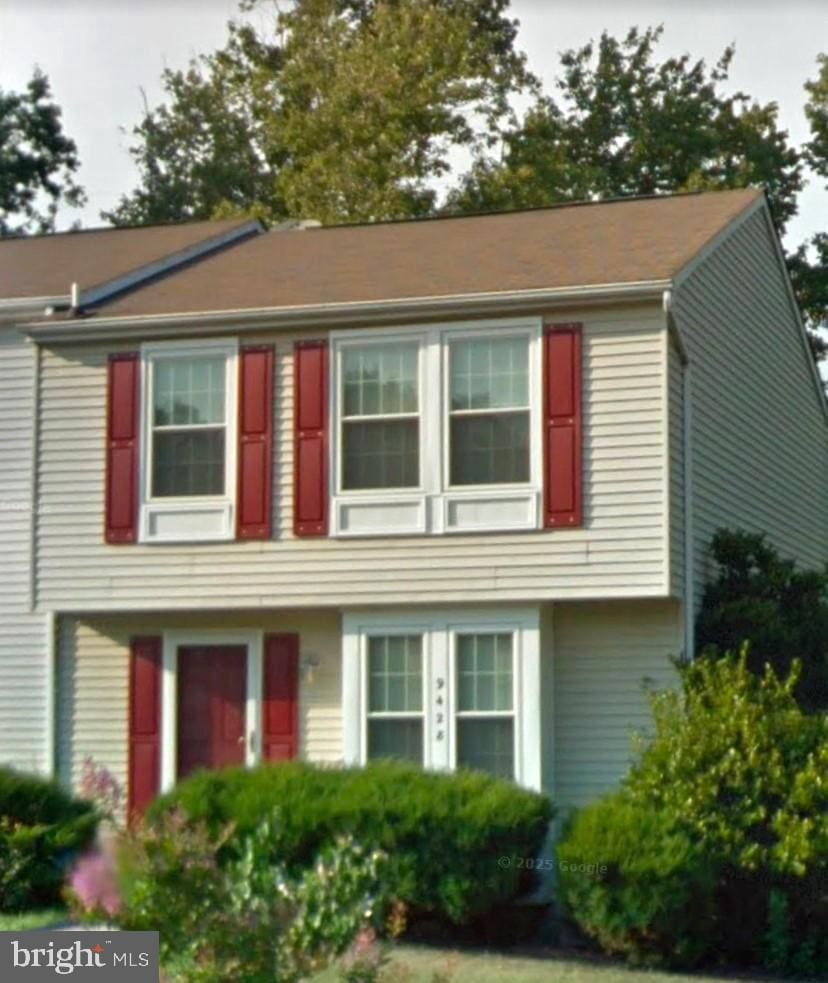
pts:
[187, 522]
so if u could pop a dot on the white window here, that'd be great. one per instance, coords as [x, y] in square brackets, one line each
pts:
[395, 697]
[380, 416]
[484, 668]
[437, 429]
[455, 690]
[189, 441]
[489, 411]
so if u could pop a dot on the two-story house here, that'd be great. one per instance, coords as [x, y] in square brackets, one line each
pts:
[439, 489]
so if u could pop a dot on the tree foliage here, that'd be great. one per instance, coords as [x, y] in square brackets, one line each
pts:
[779, 609]
[204, 150]
[336, 111]
[809, 264]
[37, 160]
[623, 123]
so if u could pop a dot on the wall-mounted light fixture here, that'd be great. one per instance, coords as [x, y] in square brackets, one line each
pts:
[309, 665]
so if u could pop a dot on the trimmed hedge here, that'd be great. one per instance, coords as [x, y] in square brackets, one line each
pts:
[41, 829]
[444, 833]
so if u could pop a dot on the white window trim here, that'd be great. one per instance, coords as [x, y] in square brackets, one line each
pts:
[206, 518]
[434, 506]
[172, 641]
[438, 630]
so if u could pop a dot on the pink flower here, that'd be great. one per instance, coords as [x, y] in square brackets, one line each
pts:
[95, 884]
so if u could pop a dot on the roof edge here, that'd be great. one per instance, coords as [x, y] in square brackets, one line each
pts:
[779, 252]
[718, 237]
[201, 322]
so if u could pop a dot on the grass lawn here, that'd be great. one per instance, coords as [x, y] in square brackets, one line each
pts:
[40, 918]
[420, 962]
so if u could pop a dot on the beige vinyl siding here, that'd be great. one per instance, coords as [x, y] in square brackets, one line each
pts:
[604, 654]
[676, 465]
[759, 434]
[23, 662]
[621, 552]
[93, 681]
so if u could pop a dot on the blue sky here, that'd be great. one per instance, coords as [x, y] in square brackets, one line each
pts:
[102, 54]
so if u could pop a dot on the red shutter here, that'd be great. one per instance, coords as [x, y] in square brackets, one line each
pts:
[122, 428]
[562, 426]
[255, 464]
[310, 492]
[281, 691]
[144, 722]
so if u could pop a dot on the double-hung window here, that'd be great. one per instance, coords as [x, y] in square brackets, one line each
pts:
[437, 429]
[489, 411]
[395, 697]
[453, 690]
[380, 417]
[189, 445]
[485, 674]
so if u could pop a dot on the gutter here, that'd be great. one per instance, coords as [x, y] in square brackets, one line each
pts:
[51, 701]
[326, 315]
[687, 475]
[13, 306]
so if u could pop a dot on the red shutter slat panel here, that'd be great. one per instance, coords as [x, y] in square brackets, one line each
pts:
[255, 464]
[562, 426]
[310, 498]
[280, 717]
[122, 446]
[144, 722]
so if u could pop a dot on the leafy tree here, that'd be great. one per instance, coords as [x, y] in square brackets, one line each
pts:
[779, 609]
[624, 124]
[338, 110]
[204, 151]
[809, 264]
[37, 160]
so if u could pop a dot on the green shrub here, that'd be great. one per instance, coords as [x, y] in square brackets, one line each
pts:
[443, 833]
[715, 845]
[41, 830]
[244, 917]
[781, 610]
[636, 883]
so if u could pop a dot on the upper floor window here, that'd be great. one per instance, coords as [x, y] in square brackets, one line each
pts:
[380, 416]
[489, 411]
[189, 426]
[188, 450]
[438, 429]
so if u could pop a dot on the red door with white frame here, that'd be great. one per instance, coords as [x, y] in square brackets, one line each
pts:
[212, 686]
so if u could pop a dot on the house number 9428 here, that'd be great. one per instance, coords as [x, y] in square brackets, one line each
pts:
[439, 700]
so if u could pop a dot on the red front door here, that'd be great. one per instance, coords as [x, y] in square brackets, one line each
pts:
[211, 706]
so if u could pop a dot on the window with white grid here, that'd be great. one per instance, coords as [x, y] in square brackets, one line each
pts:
[489, 411]
[395, 697]
[188, 441]
[485, 702]
[437, 428]
[380, 416]
[450, 688]
[189, 426]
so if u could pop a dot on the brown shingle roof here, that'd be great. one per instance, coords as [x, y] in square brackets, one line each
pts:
[47, 265]
[573, 245]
